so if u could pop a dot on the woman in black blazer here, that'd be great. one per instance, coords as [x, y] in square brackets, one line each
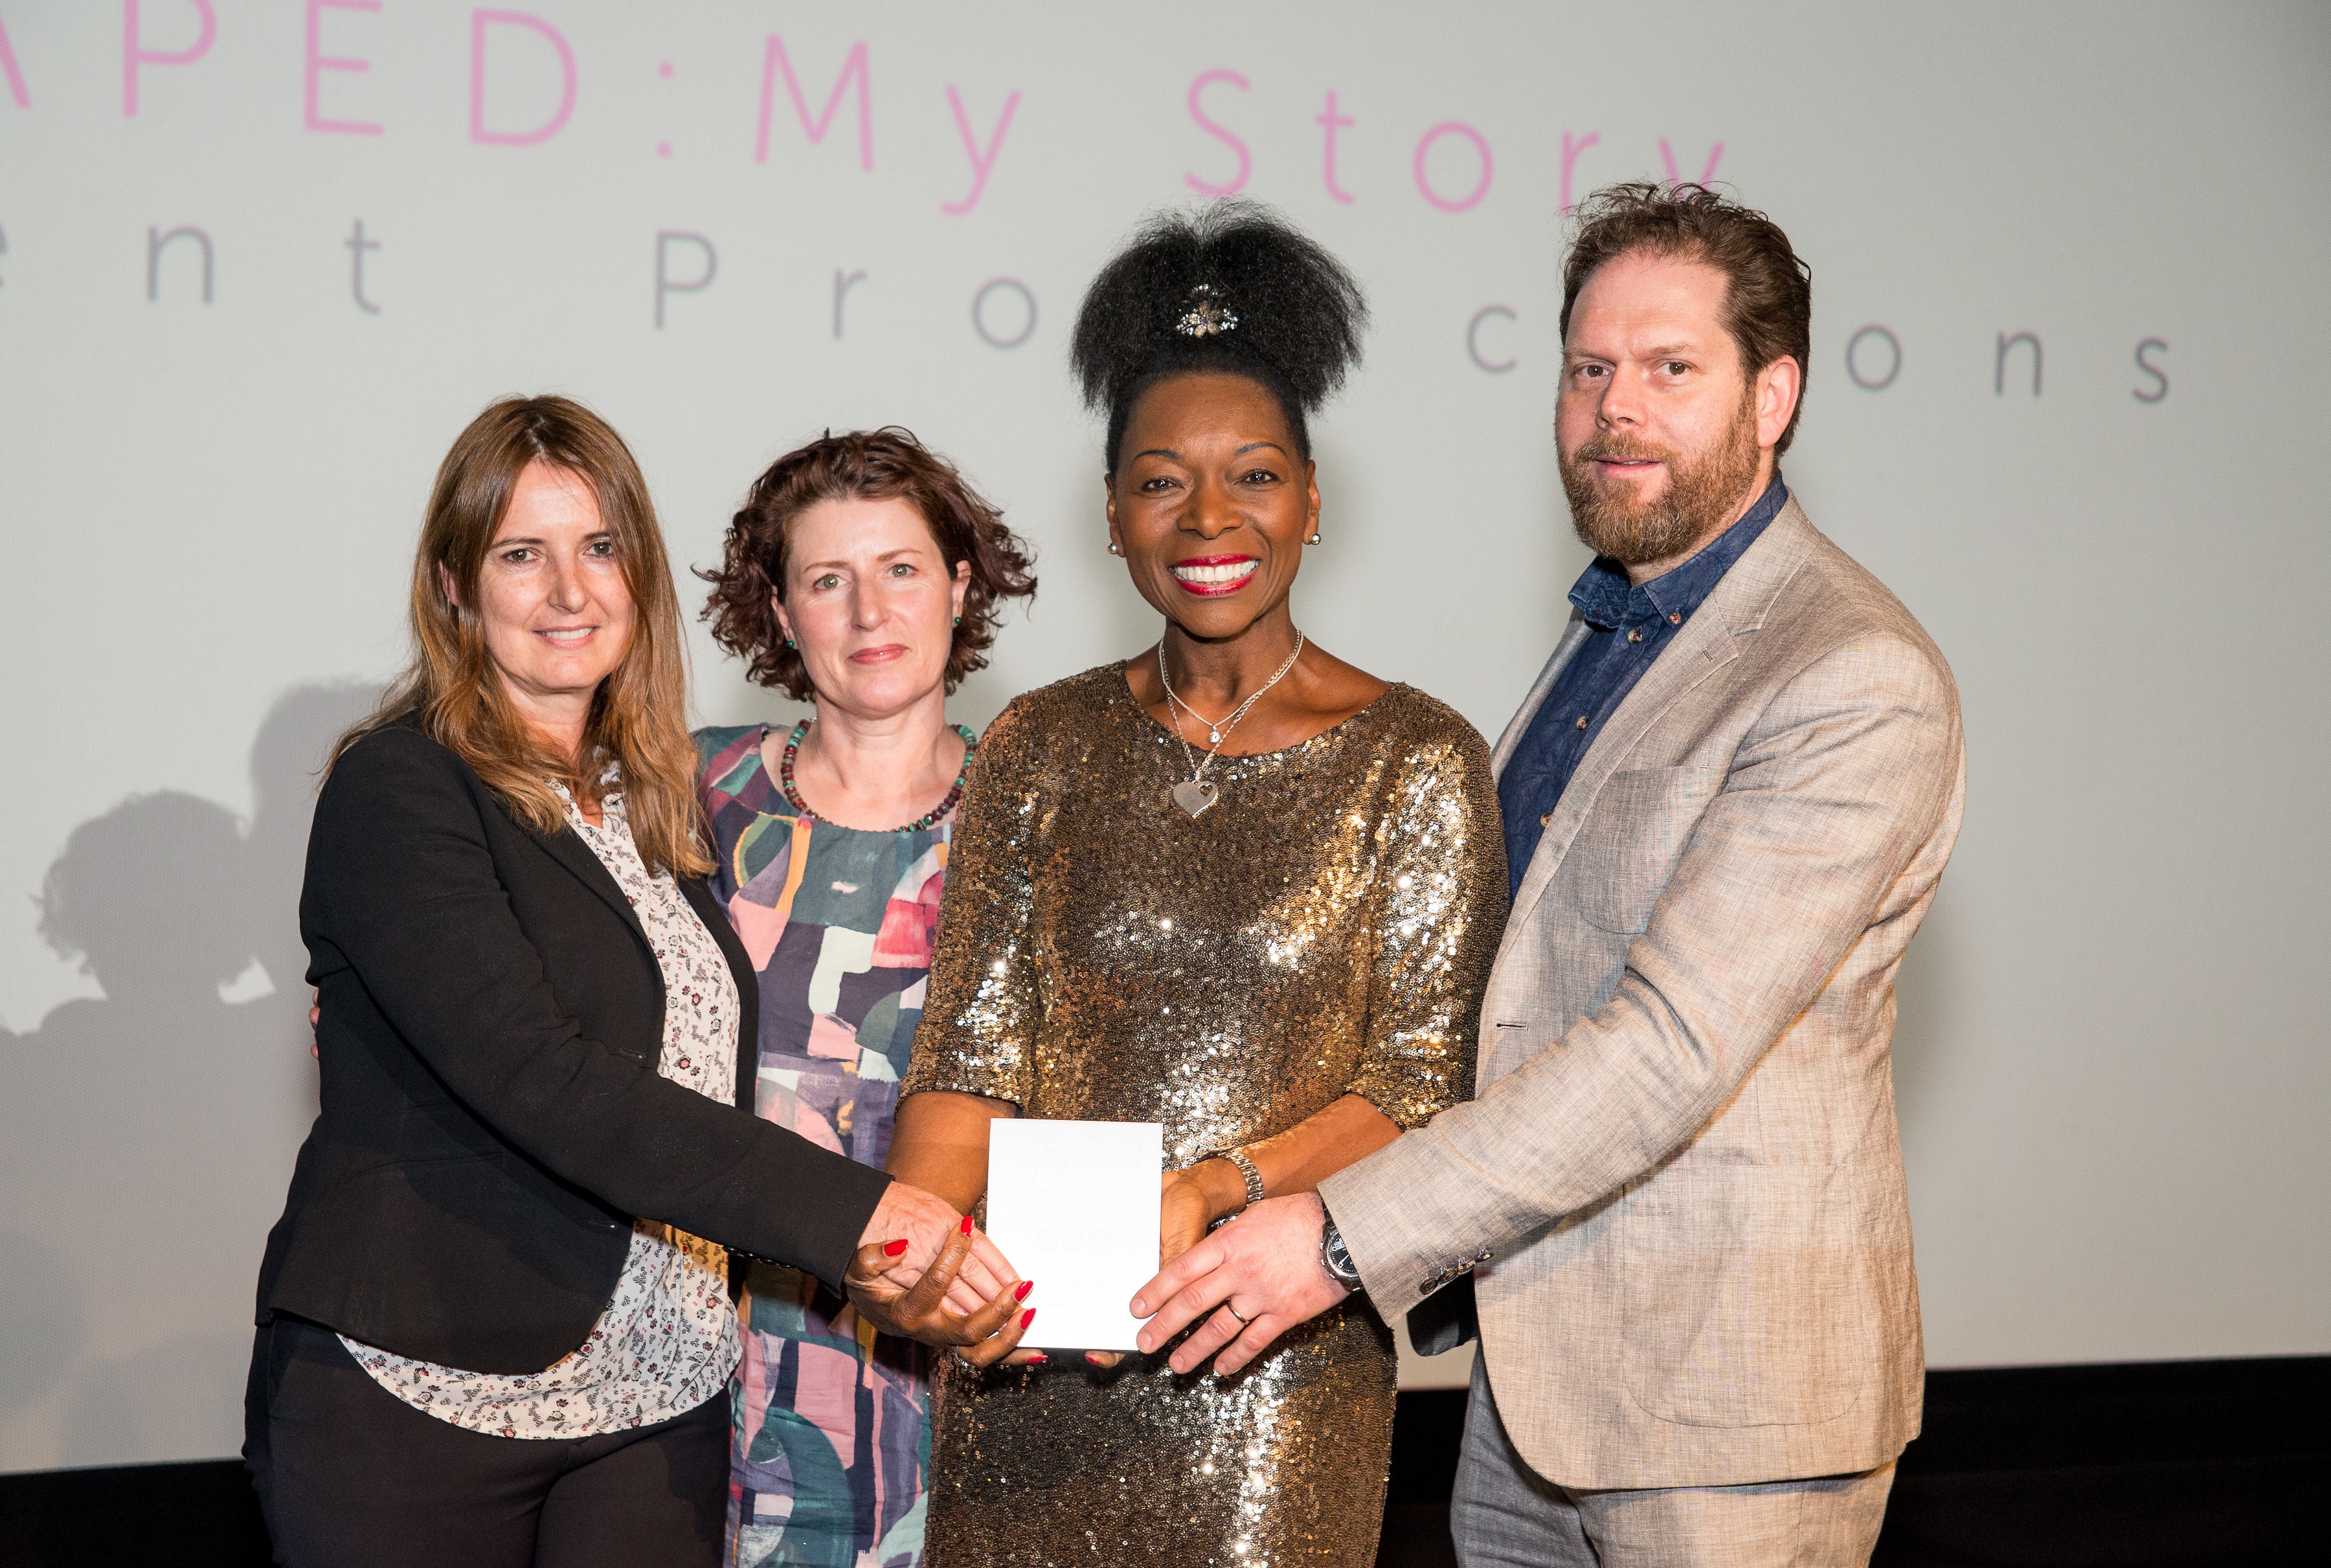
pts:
[494, 1324]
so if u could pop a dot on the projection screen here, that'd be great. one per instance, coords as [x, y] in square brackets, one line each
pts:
[260, 262]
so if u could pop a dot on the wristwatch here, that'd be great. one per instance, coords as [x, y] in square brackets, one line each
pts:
[1336, 1258]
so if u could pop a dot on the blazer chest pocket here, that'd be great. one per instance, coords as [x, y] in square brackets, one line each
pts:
[1627, 848]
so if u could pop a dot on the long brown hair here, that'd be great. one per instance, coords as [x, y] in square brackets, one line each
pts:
[638, 717]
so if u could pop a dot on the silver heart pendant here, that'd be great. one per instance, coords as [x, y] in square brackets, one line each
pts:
[1194, 795]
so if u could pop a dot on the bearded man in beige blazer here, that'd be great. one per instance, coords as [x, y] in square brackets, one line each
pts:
[1678, 1195]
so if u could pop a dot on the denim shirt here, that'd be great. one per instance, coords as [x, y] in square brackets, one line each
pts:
[1629, 625]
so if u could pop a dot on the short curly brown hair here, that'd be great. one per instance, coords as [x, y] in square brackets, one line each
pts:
[1768, 302]
[872, 465]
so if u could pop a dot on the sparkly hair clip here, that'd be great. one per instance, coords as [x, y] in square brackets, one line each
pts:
[1208, 315]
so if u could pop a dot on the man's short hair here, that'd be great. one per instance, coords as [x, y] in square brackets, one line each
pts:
[1769, 293]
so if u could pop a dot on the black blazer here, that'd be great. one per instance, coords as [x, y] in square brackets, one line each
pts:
[491, 1114]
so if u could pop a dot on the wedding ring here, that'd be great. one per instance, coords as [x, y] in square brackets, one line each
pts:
[1234, 1312]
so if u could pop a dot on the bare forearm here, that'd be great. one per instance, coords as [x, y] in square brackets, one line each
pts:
[1298, 1159]
[940, 1143]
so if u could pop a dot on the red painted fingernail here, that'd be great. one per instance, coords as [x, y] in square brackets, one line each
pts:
[895, 1248]
[1022, 1293]
[1027, 1317]
[966, 1224]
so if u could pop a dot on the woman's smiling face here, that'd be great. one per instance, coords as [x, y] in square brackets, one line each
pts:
[552, 598]
[1212, 502]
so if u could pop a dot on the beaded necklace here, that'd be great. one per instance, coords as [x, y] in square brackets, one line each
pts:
[793, 795]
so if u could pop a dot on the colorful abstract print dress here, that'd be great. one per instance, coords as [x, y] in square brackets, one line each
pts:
[831, 1440]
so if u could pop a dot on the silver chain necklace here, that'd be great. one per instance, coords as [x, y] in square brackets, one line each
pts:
[1195, 794]
[1213, 727]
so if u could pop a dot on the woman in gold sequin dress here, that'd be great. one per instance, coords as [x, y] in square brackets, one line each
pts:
[1267, 927]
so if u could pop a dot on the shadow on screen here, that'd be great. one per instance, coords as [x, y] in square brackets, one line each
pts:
[43, 1321]
[147, 1134]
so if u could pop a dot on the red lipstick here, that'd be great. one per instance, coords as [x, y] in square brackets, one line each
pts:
[1212, 576]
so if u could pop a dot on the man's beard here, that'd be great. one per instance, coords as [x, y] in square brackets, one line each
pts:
[1701, 491]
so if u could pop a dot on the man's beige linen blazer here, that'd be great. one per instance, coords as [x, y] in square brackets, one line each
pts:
[1682, 1168]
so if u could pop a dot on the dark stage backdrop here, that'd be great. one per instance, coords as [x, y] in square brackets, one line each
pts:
[260, 262]
[2217, 1464]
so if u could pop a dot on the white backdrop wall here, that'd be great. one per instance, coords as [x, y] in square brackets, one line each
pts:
[221, 404]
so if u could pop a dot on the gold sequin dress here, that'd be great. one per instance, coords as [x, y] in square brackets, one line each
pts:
[1325, 928]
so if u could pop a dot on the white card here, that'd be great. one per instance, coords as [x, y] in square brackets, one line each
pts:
[1074, 1206]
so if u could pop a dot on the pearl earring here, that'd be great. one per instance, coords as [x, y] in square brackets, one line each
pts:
[1115, 548]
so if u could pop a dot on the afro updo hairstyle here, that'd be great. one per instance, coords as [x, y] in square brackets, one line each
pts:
[1298, 314]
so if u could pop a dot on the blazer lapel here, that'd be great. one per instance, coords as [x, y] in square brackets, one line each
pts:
[1703, 646]
[568, 848]
[1574, 636]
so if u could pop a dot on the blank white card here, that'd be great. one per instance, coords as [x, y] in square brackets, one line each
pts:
[1074, 1206]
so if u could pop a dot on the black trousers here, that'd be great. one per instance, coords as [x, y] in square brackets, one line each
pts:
[350, 1476]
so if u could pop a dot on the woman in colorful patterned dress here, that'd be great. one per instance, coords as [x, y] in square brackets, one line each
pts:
[864, 576]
